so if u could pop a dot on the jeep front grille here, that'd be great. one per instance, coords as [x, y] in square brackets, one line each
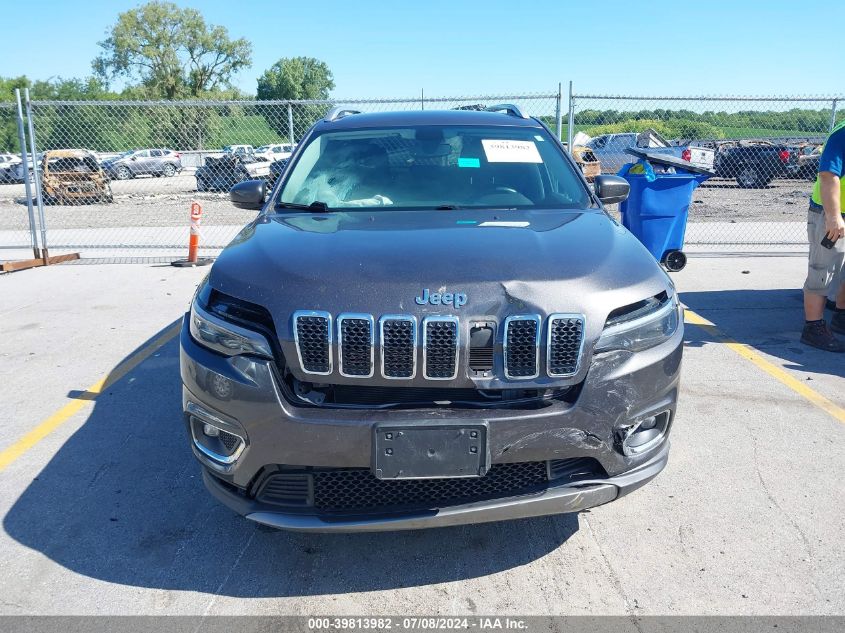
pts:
[396, 343]
[521, 345]
[398, 336]
[355, 345]
[565, 340]
[312, 332]
[440, 348]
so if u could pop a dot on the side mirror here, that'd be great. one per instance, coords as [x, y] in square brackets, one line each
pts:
[611, 189]
[249, 194]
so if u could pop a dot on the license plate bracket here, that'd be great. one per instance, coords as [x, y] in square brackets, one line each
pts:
[430, 450]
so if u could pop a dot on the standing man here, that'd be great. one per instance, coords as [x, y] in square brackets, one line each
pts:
[825, 219]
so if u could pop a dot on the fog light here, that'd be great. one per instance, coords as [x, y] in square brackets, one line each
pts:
[210, 431]
[648, 423]
[644, 434]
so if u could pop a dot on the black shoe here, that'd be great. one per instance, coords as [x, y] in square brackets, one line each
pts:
[818, 334]
[837, 323]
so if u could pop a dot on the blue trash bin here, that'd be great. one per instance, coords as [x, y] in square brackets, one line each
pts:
[656, 212]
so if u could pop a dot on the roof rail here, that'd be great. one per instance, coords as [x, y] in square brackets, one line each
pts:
[339, 112]
[509, 108]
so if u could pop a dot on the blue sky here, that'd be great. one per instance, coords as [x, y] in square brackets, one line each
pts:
[393, 49]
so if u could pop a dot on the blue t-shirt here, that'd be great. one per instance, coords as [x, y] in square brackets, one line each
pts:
[832, 160]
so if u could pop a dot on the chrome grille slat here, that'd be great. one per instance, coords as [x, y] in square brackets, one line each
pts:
[564, 344]
[398, 343]
[522, 347]
[355, 345]
[441, 345]
[312, 334]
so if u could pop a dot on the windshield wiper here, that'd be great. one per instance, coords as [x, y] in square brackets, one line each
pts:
[317, 206]
[447, 207]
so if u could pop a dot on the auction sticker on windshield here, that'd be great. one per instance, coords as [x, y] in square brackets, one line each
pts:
[508, 151]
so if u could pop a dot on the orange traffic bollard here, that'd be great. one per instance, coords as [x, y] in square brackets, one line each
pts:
[193, 240]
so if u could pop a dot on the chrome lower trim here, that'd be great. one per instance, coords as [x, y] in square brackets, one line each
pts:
[441, 319]
[407, 318]
[552, 318]
[313, 313]
[508, 321]
[361, 317]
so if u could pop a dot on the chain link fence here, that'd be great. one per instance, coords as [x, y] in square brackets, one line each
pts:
[145, 162]
[764, 151]
[129, 190]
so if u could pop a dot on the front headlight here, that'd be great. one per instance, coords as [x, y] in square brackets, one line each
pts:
[651, 325]
[226, 338]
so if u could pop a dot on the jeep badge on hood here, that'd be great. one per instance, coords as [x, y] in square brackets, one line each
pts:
[456, 299]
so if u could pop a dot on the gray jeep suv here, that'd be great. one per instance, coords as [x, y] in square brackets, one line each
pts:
[431, 321]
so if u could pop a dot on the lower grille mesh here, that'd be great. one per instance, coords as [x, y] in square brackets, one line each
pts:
[358, 490]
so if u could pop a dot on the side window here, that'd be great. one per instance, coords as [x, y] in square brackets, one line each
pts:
[155, 152]
[143, 154]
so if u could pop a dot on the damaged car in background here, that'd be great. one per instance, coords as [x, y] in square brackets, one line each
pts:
[220, 174]
[584, 157]
[612, 149]
[431, 321]
[73, 176]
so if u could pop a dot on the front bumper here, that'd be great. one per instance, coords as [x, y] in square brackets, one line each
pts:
[555, 500]
[244, 393]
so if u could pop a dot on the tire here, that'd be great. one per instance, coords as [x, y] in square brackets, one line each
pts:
[123, 173]
[169, 171]
[674, 261]
[750, 177]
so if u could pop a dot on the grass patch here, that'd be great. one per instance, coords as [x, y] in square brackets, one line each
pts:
[251, 129]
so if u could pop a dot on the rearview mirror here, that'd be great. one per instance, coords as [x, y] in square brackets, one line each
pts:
[249, 194]
[611, 189]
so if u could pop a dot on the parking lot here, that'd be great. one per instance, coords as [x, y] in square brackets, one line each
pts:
[104, 511]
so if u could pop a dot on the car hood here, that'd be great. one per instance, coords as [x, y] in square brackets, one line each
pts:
[505, 262]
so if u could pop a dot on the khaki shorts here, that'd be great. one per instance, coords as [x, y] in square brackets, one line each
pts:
[825, 264]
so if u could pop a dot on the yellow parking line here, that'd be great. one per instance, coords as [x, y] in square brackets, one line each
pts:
[749, 353]
[61, 416]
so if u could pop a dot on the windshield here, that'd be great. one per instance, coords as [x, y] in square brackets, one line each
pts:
[434, 166]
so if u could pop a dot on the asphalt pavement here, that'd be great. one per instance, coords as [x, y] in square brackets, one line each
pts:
[103, 510]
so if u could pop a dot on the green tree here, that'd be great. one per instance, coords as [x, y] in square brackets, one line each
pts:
[8, 113]
[171, 51]
[295, 78]
[59, 89]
